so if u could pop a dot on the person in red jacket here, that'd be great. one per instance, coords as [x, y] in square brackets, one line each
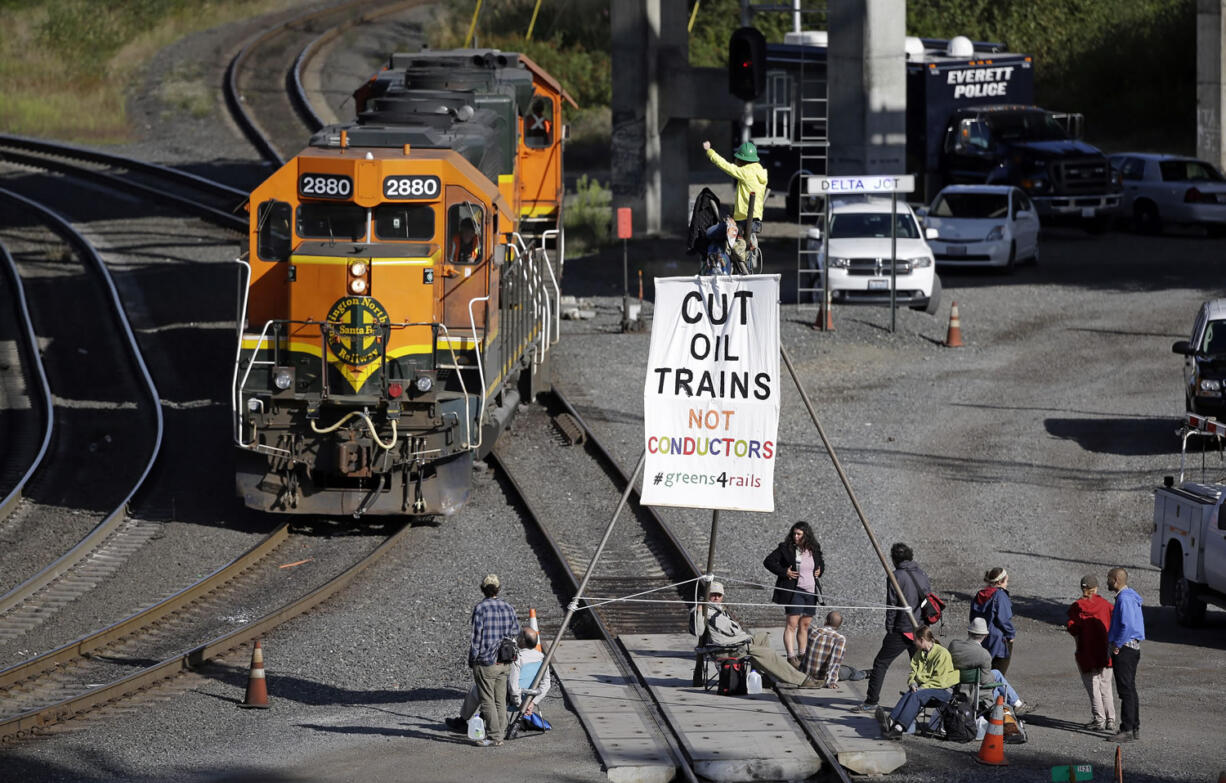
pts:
[1088, 620]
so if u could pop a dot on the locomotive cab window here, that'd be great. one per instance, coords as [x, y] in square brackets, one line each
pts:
[332, 221]
[414, 222]
[538, 123]
[464, 229]
[273, 242]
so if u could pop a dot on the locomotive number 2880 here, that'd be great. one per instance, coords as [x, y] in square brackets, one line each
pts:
[410, 187]
[325, 186]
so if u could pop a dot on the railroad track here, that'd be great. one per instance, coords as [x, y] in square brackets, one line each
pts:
[27, 358]
[102, 551]
[641, 555]
[270, 129]
[214, 201]
[96, 670]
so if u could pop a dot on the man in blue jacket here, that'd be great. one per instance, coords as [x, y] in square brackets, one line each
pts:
[1124, 641]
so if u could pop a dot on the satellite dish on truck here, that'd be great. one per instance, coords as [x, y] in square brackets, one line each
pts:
[960, 46]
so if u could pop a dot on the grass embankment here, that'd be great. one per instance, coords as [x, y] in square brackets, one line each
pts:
[66, 65]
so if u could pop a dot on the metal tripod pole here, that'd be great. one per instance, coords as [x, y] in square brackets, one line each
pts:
[573, 606]
[838, 467]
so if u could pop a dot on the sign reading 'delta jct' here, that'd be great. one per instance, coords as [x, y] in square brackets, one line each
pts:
[711, 400]
[867, 184]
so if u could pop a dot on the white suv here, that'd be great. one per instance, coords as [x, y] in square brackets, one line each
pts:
[859, 248]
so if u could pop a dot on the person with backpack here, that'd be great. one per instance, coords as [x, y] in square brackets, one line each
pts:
[493, 622]
[750, 179]
[992, 603]
[716, 627]
[798, 565]
[899, 631]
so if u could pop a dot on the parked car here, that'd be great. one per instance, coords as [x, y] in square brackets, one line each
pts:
[1204, 369]
[858, 243]
[1164, 189]
[983, 225]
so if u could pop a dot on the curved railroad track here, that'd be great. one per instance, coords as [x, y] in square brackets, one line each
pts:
[642, 554]
[93, 671]
[104, 549]
[29, 361]
[211, 200]
[271, 130]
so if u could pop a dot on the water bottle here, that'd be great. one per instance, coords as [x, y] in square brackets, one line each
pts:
[476, 727]
[753, 682]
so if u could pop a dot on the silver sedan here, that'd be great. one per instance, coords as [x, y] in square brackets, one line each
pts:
[1166, 189]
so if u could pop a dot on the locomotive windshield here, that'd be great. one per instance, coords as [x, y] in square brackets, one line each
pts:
[414, 222]
[332, 221]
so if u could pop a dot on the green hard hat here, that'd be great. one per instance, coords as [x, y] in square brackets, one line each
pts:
[746, 152]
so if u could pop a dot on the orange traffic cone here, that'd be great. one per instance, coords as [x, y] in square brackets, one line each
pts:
[992, 750]
[532, 624]
[257, 687]
[954, 338]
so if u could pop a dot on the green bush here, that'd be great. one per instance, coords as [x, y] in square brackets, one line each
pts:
[588, 216]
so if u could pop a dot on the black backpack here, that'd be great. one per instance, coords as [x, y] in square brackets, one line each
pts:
[508, 650]
[958, 718]
[733, 674]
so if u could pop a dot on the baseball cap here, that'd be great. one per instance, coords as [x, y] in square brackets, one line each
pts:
[1089, 581]
[491, 581]
[716, 587]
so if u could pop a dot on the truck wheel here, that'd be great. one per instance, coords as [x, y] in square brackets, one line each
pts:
[1145, 218]
[1189, 610]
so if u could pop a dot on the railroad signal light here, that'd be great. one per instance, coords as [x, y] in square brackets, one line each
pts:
[747, 63]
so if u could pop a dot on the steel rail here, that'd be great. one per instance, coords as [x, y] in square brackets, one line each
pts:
[31, 722]
[620, 657]
[682, 556]
[84, 646]
[97, 536]
[297, 92]
[53, 162]
[72, 151]
[35, 359]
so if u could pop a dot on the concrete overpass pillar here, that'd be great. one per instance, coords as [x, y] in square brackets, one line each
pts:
[1210, 84]
[650, 172]
[867, 87]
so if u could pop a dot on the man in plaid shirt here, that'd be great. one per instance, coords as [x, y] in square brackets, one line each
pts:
[493, 620]
[824, 656]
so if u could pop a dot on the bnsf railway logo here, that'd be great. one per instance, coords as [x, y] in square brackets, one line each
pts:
[354, 333]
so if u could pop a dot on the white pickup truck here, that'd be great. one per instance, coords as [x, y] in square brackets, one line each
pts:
[1189, 536]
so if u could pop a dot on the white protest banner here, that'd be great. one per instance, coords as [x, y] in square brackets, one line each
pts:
[711, 400]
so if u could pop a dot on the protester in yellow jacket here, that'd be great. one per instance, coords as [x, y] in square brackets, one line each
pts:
[750, 178]
[932, 676]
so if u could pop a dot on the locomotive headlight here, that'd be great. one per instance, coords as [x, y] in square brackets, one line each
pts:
[283, 379]
[357, 286]
[357, 269]
[1211, 385]
[423, 383]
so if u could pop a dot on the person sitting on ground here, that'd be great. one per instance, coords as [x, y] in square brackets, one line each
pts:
[722, 630]
[932, 679]
[969, 653]
[823, 659]
[527, 641]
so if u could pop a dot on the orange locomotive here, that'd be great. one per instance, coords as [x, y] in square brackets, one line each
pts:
[402, 294]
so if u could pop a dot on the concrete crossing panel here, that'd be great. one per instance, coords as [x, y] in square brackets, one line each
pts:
[727, 738]
[616, 719]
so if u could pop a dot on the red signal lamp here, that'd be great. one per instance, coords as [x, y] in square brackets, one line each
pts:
[394, 390]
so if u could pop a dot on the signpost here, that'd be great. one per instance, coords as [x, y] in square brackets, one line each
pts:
[865, 185]
[1071, 772]
[625, 230]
